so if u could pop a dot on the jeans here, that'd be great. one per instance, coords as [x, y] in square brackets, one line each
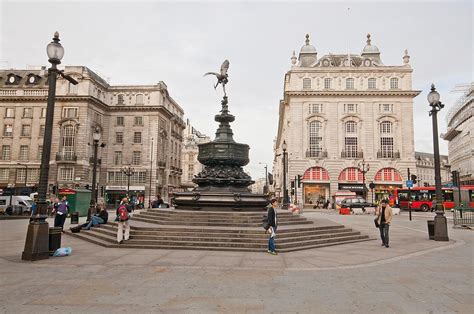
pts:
[95, 220]
[271, 241]
[384, 233]
[123, 225]
[59, 220]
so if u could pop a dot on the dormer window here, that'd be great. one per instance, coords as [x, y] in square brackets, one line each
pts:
[32, 79]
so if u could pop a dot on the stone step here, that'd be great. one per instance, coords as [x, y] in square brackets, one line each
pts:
[214, 220]
[223, 217]
[182, 213]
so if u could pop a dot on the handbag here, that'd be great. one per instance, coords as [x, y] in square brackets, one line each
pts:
[376, 222]
[265, 223]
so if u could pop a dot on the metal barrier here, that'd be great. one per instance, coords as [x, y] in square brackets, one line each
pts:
[463, 217]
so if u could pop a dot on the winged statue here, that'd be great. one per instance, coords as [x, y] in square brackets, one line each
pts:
[222, 77]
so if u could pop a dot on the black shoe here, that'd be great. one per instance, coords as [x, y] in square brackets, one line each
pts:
[386, 245]
[383, 244]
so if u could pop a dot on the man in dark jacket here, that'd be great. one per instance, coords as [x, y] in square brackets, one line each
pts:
[272, 223]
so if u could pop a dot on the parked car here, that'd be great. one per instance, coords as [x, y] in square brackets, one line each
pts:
[20, 205]
[356, 202]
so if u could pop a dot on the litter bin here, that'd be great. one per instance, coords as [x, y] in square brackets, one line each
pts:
[75, 218]
[431, 231]
[54, 239]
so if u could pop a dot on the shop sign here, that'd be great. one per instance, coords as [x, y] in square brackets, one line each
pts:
[351, 187]
[67, 192]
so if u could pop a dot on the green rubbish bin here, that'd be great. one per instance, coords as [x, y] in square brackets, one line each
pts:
[431, 229]
[54, 239]
[79, 200]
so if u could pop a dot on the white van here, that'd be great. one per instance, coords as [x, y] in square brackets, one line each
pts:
[20, 204]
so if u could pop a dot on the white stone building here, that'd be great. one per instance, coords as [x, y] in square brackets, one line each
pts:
[191, 165]
[339, 110]
[460, 135]
[130, 119]
[425, 169]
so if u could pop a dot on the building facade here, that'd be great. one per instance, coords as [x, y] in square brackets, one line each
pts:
[340, 111]
[425, 169]
[191, 165]
[141, 127]
[460, 136]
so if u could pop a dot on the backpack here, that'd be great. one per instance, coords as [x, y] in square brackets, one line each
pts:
[123, 213]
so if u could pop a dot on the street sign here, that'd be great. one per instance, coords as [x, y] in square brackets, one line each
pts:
[409, 183]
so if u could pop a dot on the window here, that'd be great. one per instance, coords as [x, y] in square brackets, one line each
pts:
[26, 130]
[43, 113]
[6, 152]
[120, 100]
[139, 99]
[21, 175]
[327, 83]
[119, 121]
[351, 127]
[350, 83]
[372, 83]
[66, 174]
[97, 117]
[10, 113]
[69, 112]
[393, 83]
[4, 174]
[386, 147]
[350, 108]
[71, 89]
[139, 120]
[315, 138]
[306, 83]
[39, 153]
[118, 158]
[137, 138]
[33, 175]
[8, 130]
[118, 137]
[136, 158]
[350, 146]
[27, 112]
[24, 152]
[386, 108]
[68, 141]
[41, 130]
[315, 108]
[386, 127]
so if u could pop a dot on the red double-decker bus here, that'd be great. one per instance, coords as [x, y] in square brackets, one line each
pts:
[422, 197]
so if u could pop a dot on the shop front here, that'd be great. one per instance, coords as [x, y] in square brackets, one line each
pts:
[386, 181]
[114, 194]
[316, 188]
[357, 188]
[351, 179]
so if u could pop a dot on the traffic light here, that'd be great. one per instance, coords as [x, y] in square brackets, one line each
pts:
[455, 177]
[299, 180]
[413, 178]
[87, 186]
[292, 188]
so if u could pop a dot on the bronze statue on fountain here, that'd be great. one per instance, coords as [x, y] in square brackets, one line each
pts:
[222, 184]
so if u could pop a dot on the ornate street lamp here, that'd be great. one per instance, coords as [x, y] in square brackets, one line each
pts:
[284, 147]
[37, 237]
[364, 168]
[440, 223]
[96, 138]
[128, 171]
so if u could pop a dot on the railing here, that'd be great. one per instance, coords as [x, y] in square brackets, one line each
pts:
[8, 92]
[316, 154]
[463, 217]
[66, 157]
[357, 155]
[388, 155]
[26, 92]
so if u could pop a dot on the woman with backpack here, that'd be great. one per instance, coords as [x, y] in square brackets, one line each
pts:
[123, 215]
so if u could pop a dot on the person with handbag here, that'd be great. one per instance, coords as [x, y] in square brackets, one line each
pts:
[272, 224]
[123, 215]
[384, 218]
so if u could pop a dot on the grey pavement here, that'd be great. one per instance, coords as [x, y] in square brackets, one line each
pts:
[414, 275]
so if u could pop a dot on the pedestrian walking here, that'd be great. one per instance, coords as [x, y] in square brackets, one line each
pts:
[123, 216]
[272, 226]
[61, 210]
[384, 218]
[157, 202]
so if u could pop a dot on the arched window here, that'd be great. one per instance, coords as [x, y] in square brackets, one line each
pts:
[306, 83]
[372, 83]
[350, 83]
[139, 100]
[386, 140]
[393, 83]
[68, 141]
[315, 139]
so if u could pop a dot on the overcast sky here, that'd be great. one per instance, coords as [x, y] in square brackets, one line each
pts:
[146, 42]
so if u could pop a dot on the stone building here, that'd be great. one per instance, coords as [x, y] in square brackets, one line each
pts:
[460, 135]
[425, 169]
[339, 110]
[191, 165]
[131, 118]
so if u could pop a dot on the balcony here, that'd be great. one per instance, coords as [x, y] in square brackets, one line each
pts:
[316, 154]
[66, 157]
[388, 155]
[353, 155]
[162, 164]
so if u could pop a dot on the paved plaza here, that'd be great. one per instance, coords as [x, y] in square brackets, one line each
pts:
[414, 275]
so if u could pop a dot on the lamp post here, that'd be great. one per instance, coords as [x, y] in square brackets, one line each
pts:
[151, 171]
[37, 237]
[96, 138]
[440, 223]
[364, 168]
[284, 147]
[265, 189]
[128, 171]
[26, 171]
